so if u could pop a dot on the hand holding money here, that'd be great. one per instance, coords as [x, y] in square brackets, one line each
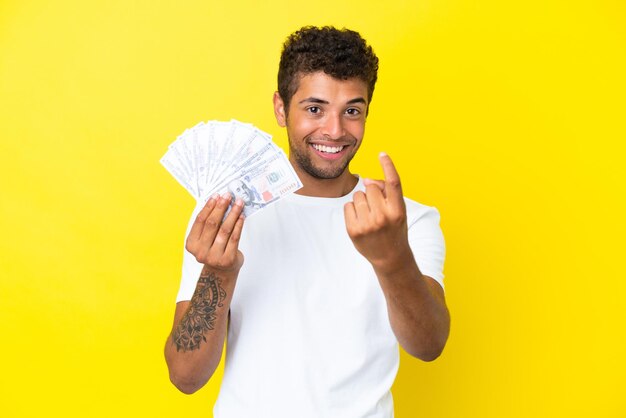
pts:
[376, 220]
[215, 243]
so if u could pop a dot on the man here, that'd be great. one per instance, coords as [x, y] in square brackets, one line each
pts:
[334, 277]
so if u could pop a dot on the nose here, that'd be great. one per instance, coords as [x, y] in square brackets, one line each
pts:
[332, 127]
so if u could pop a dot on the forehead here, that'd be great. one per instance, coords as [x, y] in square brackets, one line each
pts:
[323, 86]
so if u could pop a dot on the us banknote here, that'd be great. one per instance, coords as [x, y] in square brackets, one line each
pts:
[231, 157]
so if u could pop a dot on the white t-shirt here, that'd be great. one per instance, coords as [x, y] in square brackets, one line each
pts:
[309, 334]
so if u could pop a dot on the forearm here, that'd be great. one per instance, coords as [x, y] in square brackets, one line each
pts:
[194, 347]
[416, 306]
[376, 222]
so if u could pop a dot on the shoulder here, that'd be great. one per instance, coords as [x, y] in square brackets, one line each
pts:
[418, 213]
[426, 239]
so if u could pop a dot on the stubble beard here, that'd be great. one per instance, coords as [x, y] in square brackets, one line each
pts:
[304, 162]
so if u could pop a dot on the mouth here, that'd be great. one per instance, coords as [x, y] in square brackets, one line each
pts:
[329, 152]
[325, 149]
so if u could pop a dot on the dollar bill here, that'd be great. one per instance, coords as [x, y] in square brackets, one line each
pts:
[261, 184]
[231, 157]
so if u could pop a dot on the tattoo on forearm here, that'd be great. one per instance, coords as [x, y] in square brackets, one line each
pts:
[201, 315]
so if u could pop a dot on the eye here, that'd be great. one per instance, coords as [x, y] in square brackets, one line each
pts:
[314, 110]
[353, 111]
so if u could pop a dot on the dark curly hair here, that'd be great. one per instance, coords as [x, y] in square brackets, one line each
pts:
[342, 54]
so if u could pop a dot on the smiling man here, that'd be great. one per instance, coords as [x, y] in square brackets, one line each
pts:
[325, 122]
[334, 278]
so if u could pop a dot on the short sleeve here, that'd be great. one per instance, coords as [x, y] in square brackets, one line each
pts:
[191, 268]
[426, 240]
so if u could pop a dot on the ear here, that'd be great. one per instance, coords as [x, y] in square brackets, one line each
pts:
[279, 110]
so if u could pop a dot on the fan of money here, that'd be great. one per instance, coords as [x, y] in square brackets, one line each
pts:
[231, 157]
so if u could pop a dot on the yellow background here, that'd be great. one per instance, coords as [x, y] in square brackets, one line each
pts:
[506, 116]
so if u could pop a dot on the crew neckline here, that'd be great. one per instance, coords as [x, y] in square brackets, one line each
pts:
[326, 201]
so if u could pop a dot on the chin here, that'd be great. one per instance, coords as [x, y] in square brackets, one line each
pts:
[307, 161]
[324, 173]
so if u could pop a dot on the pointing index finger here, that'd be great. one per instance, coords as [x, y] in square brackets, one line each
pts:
[393, 188]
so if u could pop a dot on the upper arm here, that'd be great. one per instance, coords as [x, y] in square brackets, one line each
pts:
[426, 241]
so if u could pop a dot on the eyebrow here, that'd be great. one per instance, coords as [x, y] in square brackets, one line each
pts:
[320, 101]
[357, 100]
[313, 100]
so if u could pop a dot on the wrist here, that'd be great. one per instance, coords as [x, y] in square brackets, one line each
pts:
[223, 274]
[397, 261]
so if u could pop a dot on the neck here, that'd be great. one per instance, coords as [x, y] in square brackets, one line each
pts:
[316, 187]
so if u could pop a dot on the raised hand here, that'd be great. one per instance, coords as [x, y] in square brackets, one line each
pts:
[376, 220]
[214, 242]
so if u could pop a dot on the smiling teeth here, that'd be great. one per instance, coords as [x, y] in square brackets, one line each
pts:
[330, 150]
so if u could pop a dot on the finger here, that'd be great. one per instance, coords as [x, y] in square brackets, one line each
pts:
[349, 213]
[223, 234]
[214, 220]
[233, 240]
[375, 198]
[198, 224]
[393, 188]
[360, 205]
[379, 183]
